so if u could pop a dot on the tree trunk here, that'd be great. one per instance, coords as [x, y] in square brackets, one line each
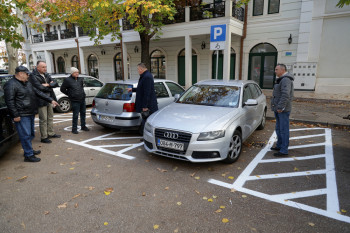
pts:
[12, 53]
[145, 56]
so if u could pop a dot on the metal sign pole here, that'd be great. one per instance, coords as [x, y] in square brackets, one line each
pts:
[217, 64]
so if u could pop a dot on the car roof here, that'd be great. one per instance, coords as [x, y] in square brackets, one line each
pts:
[5, 75]
[135, 81]
[214, 82]
[67, 75]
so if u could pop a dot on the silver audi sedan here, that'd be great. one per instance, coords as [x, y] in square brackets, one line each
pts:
[209, 122]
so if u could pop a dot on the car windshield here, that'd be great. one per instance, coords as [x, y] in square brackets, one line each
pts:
[221, 96]
[115, 91]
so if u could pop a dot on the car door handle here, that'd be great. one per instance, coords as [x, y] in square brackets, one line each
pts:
[92, 89]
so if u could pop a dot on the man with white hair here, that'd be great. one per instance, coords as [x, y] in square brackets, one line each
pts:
[73, 87]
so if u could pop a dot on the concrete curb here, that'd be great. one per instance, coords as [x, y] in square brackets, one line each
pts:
[325, 124]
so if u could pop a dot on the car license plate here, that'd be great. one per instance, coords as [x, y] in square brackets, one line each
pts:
[105, 118]
[169, 144]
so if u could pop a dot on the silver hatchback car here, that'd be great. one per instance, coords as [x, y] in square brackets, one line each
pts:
[209, 122]
[114, 106]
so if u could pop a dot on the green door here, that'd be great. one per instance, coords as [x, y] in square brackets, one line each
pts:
[221, 66]
[262, 69]
[181, 70]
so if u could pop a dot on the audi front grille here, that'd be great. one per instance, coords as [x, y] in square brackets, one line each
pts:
[175, 136]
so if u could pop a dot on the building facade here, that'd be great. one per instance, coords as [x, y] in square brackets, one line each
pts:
[311, 37]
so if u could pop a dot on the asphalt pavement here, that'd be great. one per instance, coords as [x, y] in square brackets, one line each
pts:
[325, 110]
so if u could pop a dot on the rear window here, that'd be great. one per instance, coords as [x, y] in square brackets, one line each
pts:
[115, 91]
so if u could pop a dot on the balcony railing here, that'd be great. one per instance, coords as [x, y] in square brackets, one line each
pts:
[68, 33]
[50, 36]
[84, 33]
[37, 38]
[207, 11]
[179, 17]
[238, 13]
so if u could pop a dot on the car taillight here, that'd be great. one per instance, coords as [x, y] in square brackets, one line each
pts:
[93, 104]
[129, 107]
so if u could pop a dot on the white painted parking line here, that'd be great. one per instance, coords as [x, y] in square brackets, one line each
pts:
[59, 118]
[103, 148]
[332, 210]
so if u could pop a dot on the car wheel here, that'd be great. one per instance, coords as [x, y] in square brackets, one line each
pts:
[263, 121]
[64, 105]
[235, 148]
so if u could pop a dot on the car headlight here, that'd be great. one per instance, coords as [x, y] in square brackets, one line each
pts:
[211, 135]
[148, 127]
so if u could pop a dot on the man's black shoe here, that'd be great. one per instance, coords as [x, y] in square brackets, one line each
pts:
[55, 136]
[36, 152]
[85, 128]
[75, 131]
[275, 148]
[280, 154]
[32, 159]
[46, 140]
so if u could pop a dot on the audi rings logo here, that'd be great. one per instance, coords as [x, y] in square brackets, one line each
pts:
[171, 135]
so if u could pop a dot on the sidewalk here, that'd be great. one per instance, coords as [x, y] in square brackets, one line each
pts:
[309, 108]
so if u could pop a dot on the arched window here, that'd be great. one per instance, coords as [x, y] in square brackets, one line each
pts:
[158, 64]
[262, 62]
[93, 66]
[181, 67]
[61, 65]
[75, 61]
[117, 61]
[31, 62]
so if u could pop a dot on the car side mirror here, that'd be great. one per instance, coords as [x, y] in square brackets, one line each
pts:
[176, 96]
[251, 102]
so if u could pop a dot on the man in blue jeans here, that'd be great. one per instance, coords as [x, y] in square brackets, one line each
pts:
[22, 103]
[73, 87]
[281, 104]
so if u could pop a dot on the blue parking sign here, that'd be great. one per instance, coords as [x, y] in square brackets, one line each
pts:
[218, 33]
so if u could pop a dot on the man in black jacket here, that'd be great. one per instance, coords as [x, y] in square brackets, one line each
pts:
[73, 87]
[43, 82]
[21, 101]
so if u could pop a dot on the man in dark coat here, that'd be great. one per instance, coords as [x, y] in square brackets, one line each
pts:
[146, 100]
[43, 82]
[21, 100]
[73, 87]
[281, 104]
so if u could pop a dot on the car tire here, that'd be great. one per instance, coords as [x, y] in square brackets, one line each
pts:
[263, 121]
[64, 105]
[235, 148]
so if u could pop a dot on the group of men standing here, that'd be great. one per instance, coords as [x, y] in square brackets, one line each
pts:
[27, 94]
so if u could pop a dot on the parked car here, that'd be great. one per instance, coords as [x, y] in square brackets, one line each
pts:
[114, 106]
[209, 122]
[8, 133]
[3, 71]
[91, 86]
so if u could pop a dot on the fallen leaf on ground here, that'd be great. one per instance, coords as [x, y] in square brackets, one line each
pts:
[166, 188]
[76, 196]
[56, 155]
[210, 200]
[109, 189]
[105, 223]
[53, 172]
[64, 205]
[231, 177]
[161, 170]
[179, 203]
[46, 212]
[23, 225]
[107, 193]
[343, 211]
[205, 198]
[76, 205]
[72, 168]
[91, 188]
[192, 175]
[311, 224]
[174, 169]
[22, 179]
[244, 196]
[143, 194]
[69, 148]
[233, 190]
[176, 230]
[109, 165]
[225, 220]
[218, 211]
[197, 191]
[197, 177]
[296, 169]
[155, 227]
[215, 196]
[222, 207]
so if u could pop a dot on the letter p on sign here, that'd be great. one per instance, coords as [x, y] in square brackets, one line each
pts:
[218, 33]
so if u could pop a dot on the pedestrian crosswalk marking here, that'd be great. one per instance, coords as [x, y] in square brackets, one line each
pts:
[332, 209]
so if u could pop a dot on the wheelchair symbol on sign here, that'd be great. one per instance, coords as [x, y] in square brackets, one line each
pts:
[217, 46]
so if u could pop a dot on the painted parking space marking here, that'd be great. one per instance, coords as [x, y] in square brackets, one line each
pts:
[330, 191]
[104, 148]
[59, 118]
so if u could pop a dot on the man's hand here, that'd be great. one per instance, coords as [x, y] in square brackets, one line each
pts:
[144, 109]
[17, 119]
[129, 89]
[54, 103]
[279, 110]
[46, 84]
